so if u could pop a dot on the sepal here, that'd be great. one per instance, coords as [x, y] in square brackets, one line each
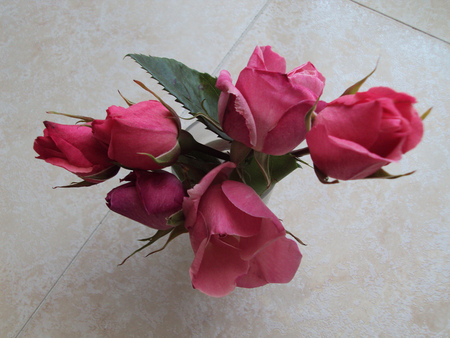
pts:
[173, 233]
[323, 178]
[354, 88]
[103, 175]
[93, 179]
[82, 118]
[167, 158]
[383, 174]
[276, 168]
[424, 115]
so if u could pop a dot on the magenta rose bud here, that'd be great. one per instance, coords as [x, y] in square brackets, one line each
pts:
[266, 108]
[149, 198]
[143, 128]
[75, 149]
[236, 239]
[356, 135]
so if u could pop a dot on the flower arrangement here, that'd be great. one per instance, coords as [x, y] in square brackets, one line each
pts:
[177, 185]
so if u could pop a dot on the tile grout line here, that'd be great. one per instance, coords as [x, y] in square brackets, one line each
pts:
[233, 47]
[244, 33]
[399, 21]
[62, 274]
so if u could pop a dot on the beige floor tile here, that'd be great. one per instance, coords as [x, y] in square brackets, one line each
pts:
[431, 16]
[377, 256]
[68, 56]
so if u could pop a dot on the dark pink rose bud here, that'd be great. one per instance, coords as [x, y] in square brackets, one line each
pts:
[144, 128]
[149, 198]
[236, 239]
[74, 148]
[356, 135]
[266, 108]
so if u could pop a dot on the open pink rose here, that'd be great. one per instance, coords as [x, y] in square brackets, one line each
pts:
[144, 128]
[74, 148]
[266, 108]
[149, 198]
[355, 135]
[237, 240]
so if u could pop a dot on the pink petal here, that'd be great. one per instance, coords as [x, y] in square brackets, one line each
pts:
[413, 139]
[222, 217]
[125, 201]
[289, 132]
[341, 159]
[359, 123]
[265, 59]
[216, 267]
[190, 204]
[160, 192]
[247, 200]
[276, 263]
[268, 95]
[234, 113]
[307, 76]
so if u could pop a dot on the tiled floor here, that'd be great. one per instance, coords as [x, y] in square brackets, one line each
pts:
[377, 260]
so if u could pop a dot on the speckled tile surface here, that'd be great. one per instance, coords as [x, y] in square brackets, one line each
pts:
[377, 260]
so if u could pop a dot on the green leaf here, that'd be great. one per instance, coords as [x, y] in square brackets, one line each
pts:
[196, 91]
[191, 168]
[249, 171]
[354, 89]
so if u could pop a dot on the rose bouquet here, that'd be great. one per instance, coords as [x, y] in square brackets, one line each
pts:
[213, 192]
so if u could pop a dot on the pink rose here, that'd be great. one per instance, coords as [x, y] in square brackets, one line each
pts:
[236, 239]
[267, 107]
[75, 149]
[355, 135]
[144, 128]
[149, 198]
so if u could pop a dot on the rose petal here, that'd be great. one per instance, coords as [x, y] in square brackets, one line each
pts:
[216, 267]
[276, 263]
[341, 159]
[240, 126]
[265, 59]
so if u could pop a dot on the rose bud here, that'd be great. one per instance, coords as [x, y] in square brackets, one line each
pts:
[134, 133]
[236, 239]
[266, 108]
[74, 148]
[149, 198]
[356, 135]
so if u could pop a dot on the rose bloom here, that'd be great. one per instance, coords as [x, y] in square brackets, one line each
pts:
[266, 108]
[236, 239]
[356, 135]
[75, 149]
[143, 128]
[148, 198]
